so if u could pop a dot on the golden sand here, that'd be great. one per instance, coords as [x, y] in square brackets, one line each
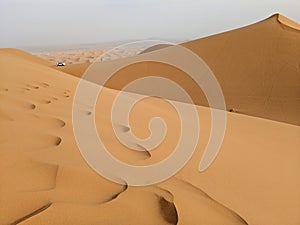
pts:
[254, 180]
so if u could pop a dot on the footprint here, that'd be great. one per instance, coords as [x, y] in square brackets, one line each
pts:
[45, 85]
[139, 151]
[57, 141]
[44, 121]
[45, 102]
[12, 104]
[25, 89]
[57, 122]
[30, 106]
[66, 94]
[32, 86]
[122, 128]
[41, 141]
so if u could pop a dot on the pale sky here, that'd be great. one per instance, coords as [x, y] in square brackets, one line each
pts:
[26, 23]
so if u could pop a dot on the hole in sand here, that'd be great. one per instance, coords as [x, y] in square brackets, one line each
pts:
[31, 106]
[57, 141]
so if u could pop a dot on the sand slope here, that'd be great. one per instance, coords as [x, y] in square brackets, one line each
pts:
[45, 180]
[257, 66]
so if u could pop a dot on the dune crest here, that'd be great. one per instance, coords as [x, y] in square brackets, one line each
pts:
[288, 22]
[254, 179]
[256, 66]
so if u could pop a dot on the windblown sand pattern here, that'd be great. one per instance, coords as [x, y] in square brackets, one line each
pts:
[254, 180]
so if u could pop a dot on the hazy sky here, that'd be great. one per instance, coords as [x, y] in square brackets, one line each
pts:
[66, 22]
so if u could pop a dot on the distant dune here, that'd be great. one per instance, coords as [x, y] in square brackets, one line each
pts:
[155, 48]
[254, 180]
[257, 67]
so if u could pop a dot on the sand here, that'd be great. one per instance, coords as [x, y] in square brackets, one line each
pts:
[254, 180]
[88, 56]
[256, 66]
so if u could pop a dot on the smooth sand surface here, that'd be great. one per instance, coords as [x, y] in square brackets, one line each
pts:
[254, 180]
[256, 66]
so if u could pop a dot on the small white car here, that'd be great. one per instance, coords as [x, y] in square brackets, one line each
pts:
[60, 64]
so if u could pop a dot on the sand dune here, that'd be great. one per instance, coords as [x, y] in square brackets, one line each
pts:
[88, 56]
[257, 67]
[287, 22]
[72, 57]
[254, 179]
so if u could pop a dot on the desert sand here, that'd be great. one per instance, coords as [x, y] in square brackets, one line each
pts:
[88, 56]
[254, 180]
[256, 66]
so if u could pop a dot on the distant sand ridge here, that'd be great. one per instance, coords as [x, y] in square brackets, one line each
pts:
[257, 67]
[254, 180]
[88, 56]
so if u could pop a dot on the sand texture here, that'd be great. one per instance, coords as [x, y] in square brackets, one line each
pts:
[254, 180]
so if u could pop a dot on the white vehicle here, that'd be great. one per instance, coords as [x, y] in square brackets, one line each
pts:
[60, 64]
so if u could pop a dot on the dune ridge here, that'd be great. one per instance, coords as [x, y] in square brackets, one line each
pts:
[54, 148]
[256, 66]
[45, 180]
[288, 22]
[31, 214]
